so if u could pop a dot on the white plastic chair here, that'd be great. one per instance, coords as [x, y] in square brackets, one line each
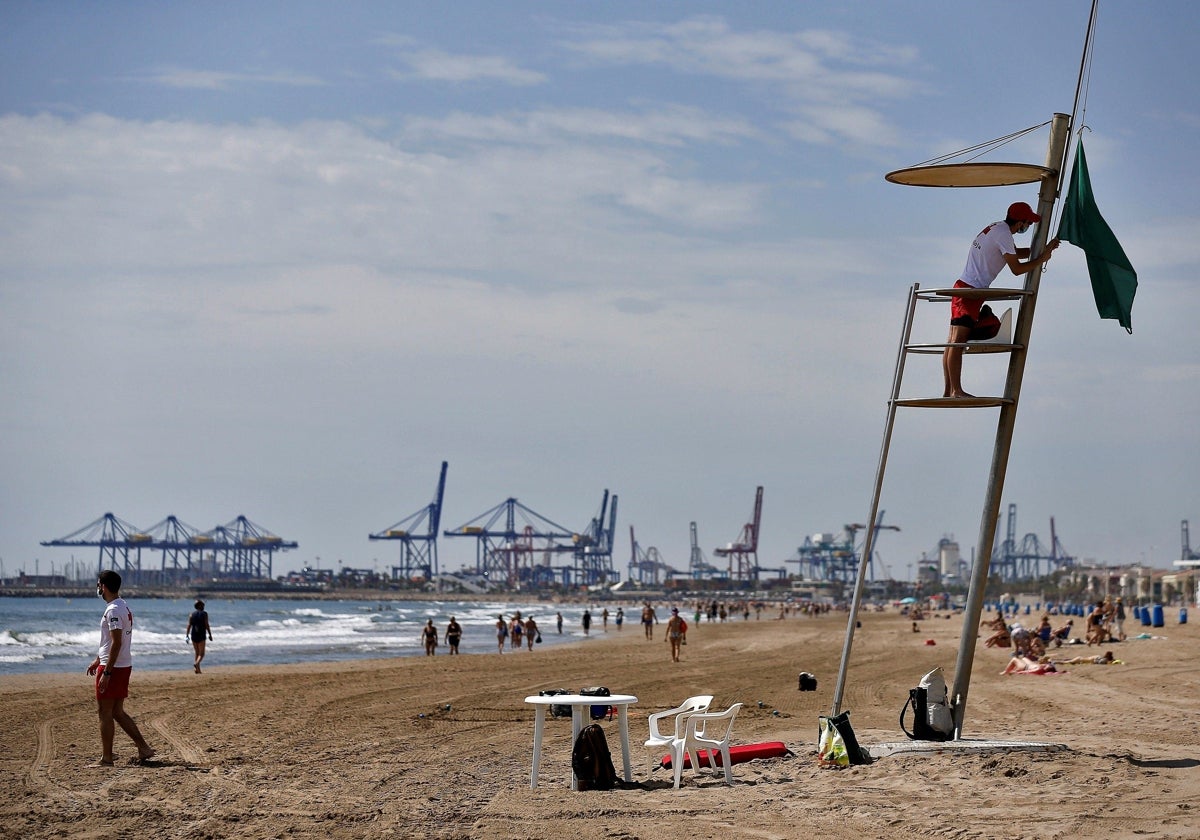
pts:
[660, 739]
[707, 731]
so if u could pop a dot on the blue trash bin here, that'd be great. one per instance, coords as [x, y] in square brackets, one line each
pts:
[1145, 616]
[1157, 614]
[1183, 615]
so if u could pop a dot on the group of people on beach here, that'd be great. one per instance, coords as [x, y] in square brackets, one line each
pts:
[429, 636]
[1104, 623]
[517, 628]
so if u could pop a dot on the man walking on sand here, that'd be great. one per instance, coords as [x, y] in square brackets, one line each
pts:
[992, 250]
[112, 667]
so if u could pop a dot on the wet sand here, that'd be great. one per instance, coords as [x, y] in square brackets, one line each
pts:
[370, 749]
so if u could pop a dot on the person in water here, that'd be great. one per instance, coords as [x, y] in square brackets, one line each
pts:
[429, 635]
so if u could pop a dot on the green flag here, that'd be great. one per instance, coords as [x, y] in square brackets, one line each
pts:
[1114, 282]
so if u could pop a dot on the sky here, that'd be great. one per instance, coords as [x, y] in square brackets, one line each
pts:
[282, 259]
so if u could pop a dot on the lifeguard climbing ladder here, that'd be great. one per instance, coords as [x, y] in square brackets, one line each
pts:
[969, 175]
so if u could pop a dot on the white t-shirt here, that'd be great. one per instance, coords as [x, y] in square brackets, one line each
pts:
[987, 255]
[117, 616]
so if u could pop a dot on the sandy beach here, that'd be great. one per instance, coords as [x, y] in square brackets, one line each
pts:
[441, 747]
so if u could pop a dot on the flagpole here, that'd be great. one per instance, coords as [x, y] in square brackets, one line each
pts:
[1060, 132]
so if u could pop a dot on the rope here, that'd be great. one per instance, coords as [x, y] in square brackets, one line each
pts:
[1082, 87]
[983, 148]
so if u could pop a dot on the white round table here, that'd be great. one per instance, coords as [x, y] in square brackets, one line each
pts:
[578, 703]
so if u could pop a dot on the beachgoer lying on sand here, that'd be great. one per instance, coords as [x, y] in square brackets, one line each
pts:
[1103, 659]
[1028, 665]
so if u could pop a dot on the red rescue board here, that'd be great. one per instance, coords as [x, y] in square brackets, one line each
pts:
[738, 754]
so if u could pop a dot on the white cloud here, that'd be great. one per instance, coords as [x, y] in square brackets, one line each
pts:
[191, 79]
[815, 70]
[439, 66]
[669, 125]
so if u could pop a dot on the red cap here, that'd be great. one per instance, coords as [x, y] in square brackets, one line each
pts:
[1022, 212]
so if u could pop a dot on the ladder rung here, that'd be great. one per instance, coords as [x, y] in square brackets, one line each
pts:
[971, 347]
[954, 402]
[972, 294]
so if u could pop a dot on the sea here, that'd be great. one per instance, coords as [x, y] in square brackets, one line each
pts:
[47, 635]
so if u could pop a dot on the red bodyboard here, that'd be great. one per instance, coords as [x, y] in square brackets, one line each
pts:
[738, 754]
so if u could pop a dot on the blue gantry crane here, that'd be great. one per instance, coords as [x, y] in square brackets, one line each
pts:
[647, 567]
[242, 550]
[238, 550]
[593, 547]
[516, 546]
[418, 535]
[698, 566]
[827, 557]
[505, 550]
[119, 542]
[1027, 559]
[178, 542]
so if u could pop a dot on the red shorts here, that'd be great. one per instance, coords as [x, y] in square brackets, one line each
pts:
[964, 312]
[118, 683]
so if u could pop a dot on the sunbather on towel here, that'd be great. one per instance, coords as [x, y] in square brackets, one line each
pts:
[1105, 658]
[1026, 665]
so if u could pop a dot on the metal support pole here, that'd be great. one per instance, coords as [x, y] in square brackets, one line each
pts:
[1060, 131]
[869, 544]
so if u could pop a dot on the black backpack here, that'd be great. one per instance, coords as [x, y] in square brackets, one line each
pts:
[591, 761]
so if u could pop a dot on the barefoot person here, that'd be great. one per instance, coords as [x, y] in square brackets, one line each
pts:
[675, 629]
[501, 633]
[648, 619]
[992, 250]
[429, 635]
[197, 627]
[112, 667]
[453, 635]
[531, 632]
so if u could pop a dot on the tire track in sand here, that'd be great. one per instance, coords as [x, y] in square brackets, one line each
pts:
[39, 771]
[189, 753]
[38, 775]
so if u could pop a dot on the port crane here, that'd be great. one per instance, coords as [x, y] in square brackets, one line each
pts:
[647, 566]
[743, 554]
[829, 558]
[698, 566]
[593, 547]
[417, 535]
[1017, 561]
[1188, 557]
[178, 541]
[504, 547]
[239, 548]
[120, 545]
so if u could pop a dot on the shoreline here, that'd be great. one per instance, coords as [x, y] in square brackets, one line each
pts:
[441, 746]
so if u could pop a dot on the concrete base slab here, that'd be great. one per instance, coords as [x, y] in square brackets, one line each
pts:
[962, 745]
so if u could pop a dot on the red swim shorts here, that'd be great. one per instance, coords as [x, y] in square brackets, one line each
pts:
[118, 683]
[964, 312]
